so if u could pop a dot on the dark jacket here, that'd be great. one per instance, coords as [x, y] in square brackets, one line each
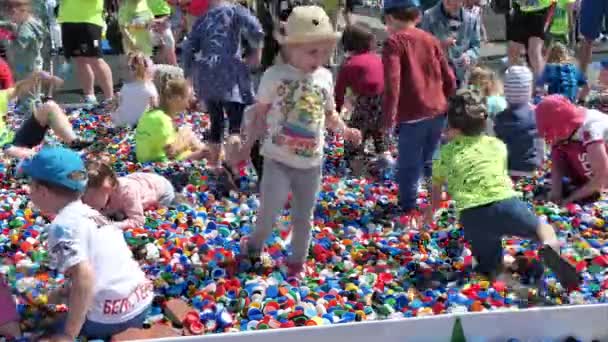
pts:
[516, 127]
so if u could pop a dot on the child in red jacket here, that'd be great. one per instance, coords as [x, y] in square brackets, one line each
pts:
[6, 76]
[418, 83]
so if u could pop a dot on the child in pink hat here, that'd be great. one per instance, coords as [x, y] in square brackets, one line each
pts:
[578, 136]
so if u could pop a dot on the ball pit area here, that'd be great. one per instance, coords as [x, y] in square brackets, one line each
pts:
[361, 265]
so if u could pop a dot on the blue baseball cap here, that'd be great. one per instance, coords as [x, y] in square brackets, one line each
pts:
[390, 4]
[57, 165]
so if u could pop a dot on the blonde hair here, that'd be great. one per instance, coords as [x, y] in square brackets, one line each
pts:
[171, 89]
[559, 53]
[486, 81]
[139, 65]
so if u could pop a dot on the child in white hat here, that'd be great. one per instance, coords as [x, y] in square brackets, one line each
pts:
[296, 101]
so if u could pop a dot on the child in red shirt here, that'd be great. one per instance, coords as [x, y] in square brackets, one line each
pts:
[363, 74]
[418, 83]
[6, 76]
[579, 137]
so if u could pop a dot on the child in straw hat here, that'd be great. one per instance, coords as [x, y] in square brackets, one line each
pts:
[296, 99]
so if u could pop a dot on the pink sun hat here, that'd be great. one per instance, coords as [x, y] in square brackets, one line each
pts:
[557, 118]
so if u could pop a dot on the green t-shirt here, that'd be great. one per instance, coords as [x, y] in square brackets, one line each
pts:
[6, 136]
[475, 169]
[78, 11]
[534, 5]
[560, 24]
[135, 16]
[154, 131]
[159, 7]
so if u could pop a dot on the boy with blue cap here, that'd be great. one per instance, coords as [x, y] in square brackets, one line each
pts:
[418, 82]
[107, 293]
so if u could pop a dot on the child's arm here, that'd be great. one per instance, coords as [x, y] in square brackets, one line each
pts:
[342, 82]
[254, 129]
[447, 74]
[598, 158]
[334, 122]
[392, 78]
[252, 31]
[80, 297]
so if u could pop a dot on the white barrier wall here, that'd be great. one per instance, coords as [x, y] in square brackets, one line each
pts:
[585, 322]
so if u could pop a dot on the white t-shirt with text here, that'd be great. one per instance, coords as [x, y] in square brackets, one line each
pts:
[296, 120]
[121, 289]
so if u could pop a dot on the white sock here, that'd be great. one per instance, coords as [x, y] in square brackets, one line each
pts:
[90, 98]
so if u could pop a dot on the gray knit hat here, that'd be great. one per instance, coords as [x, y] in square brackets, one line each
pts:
[518, 84]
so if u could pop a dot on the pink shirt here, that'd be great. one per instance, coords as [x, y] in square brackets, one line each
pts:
[136, 192]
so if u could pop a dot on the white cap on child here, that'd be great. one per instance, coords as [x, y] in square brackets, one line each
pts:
[518, 84]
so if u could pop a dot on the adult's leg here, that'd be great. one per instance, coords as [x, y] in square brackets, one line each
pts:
[85, 75]
[535, 55]
[592, 12]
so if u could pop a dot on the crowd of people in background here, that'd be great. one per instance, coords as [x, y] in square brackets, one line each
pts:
[458, 126]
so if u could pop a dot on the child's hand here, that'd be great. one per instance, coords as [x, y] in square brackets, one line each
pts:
[172, 151]
[353, 135]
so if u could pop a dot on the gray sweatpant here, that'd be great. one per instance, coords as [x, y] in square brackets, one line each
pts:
[277, 181]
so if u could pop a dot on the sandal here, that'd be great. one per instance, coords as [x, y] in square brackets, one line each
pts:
[564, 271]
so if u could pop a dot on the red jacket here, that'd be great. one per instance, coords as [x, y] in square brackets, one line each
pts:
[6, 76]
[417, 76]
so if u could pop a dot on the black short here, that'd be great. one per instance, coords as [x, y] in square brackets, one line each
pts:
[522, 26]
[30, 134]
[81, 40]
[350, 6]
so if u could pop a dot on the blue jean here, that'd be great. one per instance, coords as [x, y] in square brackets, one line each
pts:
[95, 330]
[484, 227]
[593, 14]
[418, 143]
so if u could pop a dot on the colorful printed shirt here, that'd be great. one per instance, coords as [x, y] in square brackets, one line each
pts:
[155, 130]
[135, 17]
[475, 169]
[561, 24]
[564, 79]
[296, 121]
[213, 53]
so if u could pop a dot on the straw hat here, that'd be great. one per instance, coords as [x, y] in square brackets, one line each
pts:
[307, 24]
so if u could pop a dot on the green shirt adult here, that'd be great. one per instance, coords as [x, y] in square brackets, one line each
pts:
[135, 17]
[79, 11]
[159, 7]
[155, 130]
[533, 5]
[561, 24]
[475, 169]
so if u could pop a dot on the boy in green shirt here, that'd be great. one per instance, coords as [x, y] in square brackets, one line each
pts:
[475, 169]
